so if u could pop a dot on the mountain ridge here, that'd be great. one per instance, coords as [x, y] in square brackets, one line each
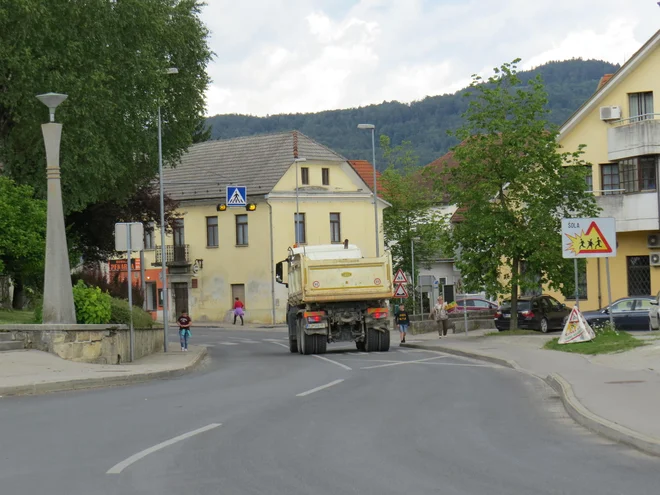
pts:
[424, 122]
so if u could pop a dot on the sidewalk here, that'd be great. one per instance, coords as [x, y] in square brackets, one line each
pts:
[33, 372]
[613, 394]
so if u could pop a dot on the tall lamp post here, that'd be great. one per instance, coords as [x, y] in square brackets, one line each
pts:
[373, 150]
[58, 304]
[296, 223]
[412, 275]
[163, 251]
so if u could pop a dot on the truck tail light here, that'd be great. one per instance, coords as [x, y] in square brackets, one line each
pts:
[378, 313]
[314, 316]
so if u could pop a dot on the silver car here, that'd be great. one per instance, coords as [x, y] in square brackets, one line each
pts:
[654, 313]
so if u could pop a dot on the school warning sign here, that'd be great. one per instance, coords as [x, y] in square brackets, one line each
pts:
[588, 237]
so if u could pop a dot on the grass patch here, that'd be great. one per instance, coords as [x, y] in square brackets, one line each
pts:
[606, 342]
[9, 316]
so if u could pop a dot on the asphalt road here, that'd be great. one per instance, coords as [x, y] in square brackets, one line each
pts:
[408, 421]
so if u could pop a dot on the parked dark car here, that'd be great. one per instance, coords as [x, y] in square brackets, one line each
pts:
[542, 313]
[628, 313]
[474, 304]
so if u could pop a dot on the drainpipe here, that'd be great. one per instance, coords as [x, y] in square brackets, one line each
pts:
[272, 262]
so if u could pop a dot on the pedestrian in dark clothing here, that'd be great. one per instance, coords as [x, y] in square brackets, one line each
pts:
[403, 320]
[184, 322]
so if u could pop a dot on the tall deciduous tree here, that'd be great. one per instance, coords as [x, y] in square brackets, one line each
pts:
[515, 184]
[411, 215]
[111, 59]
[22, 235]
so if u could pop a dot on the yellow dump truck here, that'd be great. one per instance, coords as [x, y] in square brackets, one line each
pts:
[336, 295]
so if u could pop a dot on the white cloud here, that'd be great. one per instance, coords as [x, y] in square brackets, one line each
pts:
[287, 56]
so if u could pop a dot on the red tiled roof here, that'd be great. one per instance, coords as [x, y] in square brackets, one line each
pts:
[604, 80]
[365, 170]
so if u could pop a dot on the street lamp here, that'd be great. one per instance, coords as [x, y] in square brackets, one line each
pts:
[373, 149]
[296, 223]
[163, 252]
[412, 275]
[58, 304]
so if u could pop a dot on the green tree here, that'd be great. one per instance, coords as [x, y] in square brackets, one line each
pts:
[111, 58]
[515, 185]
[411, 215]
[22, 236]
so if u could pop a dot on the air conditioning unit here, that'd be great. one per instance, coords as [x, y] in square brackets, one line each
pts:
[653, 241]
[654, 259]
[610, 113]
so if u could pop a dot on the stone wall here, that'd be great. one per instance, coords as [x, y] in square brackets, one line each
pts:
[105, 344]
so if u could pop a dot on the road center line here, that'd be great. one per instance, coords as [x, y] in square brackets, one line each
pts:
[303, 394]
[332, 361]
[118, 468]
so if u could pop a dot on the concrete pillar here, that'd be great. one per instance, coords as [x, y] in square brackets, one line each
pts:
[58, 292]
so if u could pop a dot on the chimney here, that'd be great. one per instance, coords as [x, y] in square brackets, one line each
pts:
[295, 144]
[603, 80]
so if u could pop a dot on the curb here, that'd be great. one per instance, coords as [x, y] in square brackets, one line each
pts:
[599, 425]
[473, 355]
[90, 383]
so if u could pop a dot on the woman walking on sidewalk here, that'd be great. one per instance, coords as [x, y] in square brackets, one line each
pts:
[441, 317]
[238, 310]
[184, 322]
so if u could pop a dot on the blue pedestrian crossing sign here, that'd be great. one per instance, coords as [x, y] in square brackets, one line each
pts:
[236, 195]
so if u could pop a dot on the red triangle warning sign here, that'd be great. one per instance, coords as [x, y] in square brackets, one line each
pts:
[400, 291]
[400, 277]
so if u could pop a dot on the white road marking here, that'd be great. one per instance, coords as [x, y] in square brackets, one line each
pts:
[227, 343]
[118, 468]
[331, 361]
[274, 340]
[280, 344]
[401, 362]
[303, 394]
[247, 341]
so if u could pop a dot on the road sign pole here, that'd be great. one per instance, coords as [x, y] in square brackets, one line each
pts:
[465, 318]
[609, 291]
[577, 295]
[130, 290]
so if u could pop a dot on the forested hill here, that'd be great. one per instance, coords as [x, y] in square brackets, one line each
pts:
[425, 123]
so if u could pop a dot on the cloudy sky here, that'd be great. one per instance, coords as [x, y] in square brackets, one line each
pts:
[288, 56]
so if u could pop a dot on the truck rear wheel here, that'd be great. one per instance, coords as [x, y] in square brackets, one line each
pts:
[384, 341]
[320, 343]
[305, 342]
[372, 340]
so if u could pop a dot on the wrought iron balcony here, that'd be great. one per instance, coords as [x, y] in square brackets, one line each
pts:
[176, 255]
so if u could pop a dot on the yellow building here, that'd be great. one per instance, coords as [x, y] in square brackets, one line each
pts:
[621, 132]
[214, 256]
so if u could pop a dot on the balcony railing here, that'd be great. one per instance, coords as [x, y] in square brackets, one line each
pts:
[636, 136]
[176, 255]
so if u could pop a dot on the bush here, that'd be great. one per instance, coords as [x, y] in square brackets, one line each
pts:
[93, 277]
[92, 304]
[122, 315]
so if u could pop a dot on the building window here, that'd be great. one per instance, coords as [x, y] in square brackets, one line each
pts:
[589, 179]
[609, 174]
[637, 174]
[641, 106]
[179, 232]
[149, 236]
[241, 230]
[639, 275]
[304, 176]
[299, 226]
[325, 172]
[211, 231]
[335, 227]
